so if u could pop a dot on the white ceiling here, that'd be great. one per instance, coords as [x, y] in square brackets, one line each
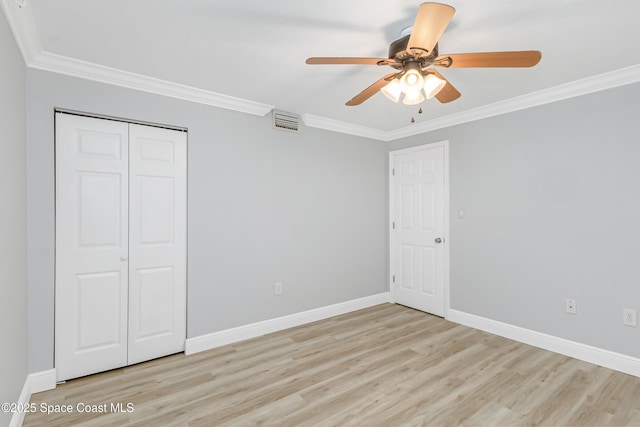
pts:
[256, 49]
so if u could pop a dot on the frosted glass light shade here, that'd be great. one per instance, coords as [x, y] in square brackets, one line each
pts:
[412, 83]
[433, 85]
[411, 99]
[392, 90]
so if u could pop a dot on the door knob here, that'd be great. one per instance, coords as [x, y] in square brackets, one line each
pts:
[438, 240]
[123, 258]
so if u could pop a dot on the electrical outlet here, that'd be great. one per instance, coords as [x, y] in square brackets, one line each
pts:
[629, 317]
[278, 288]
[571, 306]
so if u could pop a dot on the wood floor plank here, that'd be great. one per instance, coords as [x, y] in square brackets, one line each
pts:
[382, 366]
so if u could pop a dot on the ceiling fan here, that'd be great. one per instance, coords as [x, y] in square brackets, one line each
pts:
[413, 53]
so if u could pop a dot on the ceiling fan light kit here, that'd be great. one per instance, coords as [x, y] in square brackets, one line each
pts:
[414, 92]
[414, 53]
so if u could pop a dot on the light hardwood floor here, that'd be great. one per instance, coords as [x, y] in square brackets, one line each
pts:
[383, 366]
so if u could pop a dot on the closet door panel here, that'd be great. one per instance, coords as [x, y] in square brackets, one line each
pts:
[157, 257]
[91, 245]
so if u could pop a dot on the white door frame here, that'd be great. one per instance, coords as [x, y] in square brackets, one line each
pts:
[392, 254]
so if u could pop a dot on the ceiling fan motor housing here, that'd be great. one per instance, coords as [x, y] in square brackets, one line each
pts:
[398, 51]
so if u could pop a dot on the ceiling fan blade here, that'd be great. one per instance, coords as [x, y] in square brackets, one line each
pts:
[371, 90]
[524, 58]
[429, 25]
[448, 93]
[347, 60]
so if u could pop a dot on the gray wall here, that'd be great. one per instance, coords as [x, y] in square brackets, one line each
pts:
[13, 232]
[551, 197]
[265, 206]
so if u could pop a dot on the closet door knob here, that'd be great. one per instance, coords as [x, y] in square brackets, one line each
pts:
[123, 258]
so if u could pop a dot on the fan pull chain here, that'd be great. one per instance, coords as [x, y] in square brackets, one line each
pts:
[413, 120]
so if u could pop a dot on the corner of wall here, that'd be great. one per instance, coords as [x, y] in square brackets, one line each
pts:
[34, 383]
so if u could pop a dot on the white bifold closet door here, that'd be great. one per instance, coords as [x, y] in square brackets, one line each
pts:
[120, 244]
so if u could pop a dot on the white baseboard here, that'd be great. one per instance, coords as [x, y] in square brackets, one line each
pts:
[42, 381]
[18, 417]
[228, 336]
[608, 359]
[35, 383]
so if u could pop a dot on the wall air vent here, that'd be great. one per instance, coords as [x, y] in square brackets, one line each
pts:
[286, 121]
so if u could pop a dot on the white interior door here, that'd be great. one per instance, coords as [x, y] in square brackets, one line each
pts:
[120, 244]
[157, 257]
[91, 245]
[418, 232]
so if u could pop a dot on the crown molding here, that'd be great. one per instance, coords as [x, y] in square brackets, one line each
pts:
[100, 73]
[24, 29]
[600, 82]
[343, 127]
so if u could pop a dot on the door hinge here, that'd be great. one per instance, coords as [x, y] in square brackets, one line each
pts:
[393, 172]
[393, 225]
[394, 278]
